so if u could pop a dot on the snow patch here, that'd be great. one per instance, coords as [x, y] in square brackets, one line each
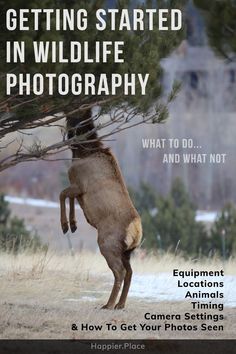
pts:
[33, 202]
[163, 287]
[201, 215]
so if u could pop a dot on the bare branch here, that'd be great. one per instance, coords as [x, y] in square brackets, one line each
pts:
[121, 117]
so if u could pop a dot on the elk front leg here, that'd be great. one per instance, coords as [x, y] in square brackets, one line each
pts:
[72, 220]
[71, 192]
[64, 221]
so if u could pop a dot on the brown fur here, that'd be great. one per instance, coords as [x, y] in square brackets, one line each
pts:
[98, 185]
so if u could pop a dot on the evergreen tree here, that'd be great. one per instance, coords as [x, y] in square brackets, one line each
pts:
[14, 236]
[143, 53]
[4, 211]
[145, 200]
[176, 222]
[170, 221]
[223, 232]
[221, 25]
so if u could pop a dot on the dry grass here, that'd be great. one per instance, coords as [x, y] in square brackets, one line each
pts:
[37, 293]
[85, 263]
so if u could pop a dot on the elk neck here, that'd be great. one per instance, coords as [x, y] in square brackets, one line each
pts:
[82, 126]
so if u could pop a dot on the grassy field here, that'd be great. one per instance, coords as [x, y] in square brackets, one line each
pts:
[42, 295]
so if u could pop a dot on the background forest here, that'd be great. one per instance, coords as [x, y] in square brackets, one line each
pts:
[169, 197]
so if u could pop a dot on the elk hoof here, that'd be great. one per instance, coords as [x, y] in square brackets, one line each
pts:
[119, 306]
[65, 228]
[73, 227]
[106, 307]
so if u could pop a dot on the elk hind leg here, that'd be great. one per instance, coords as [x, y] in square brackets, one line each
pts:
[127, 279]
[114, 261]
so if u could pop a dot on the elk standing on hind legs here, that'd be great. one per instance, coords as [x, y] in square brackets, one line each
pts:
[98, 186]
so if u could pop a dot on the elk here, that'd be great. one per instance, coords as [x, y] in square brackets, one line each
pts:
[97, 184]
